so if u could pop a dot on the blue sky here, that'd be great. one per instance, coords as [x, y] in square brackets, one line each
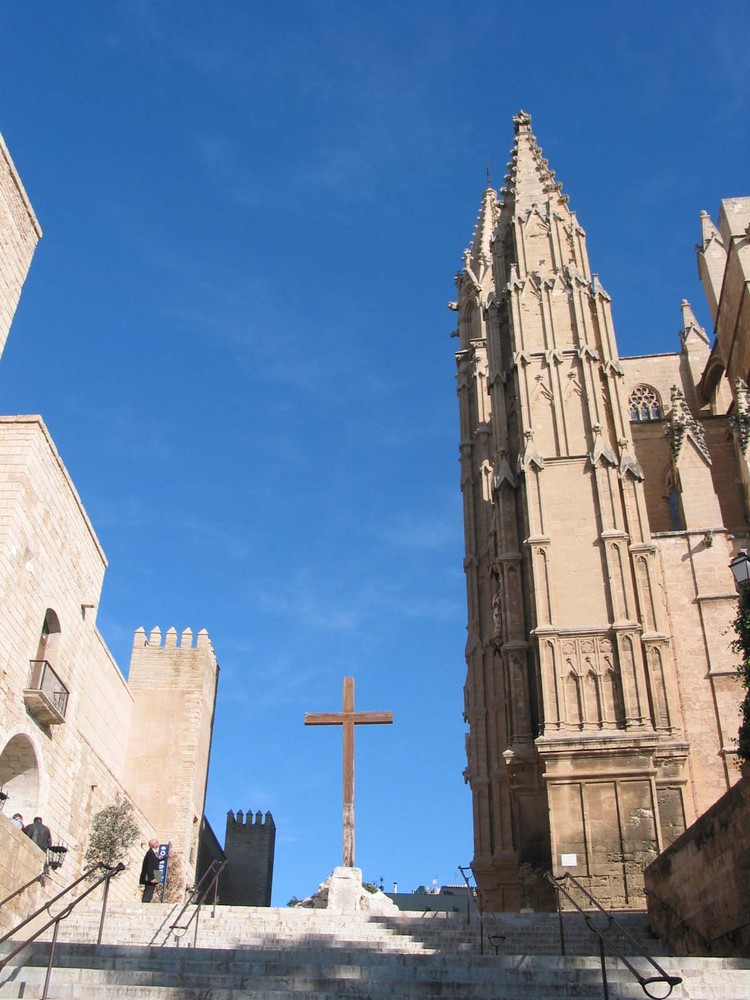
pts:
[235, 328]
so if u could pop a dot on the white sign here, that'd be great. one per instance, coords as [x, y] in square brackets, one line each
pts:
[569, 860]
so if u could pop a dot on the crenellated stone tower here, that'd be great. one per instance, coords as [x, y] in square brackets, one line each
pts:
[577, 750]
[249, 847]
[173, 681]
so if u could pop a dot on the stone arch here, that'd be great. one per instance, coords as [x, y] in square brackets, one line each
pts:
[470, 321]
[712, 382]
[20, 776]
[49, 638]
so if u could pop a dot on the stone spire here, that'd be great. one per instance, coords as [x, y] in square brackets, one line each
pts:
[712, 259]
[479, 254]
[478, 257]
[690, 325]
[530, 180]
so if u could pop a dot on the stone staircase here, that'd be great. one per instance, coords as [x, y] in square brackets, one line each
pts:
[269, 954]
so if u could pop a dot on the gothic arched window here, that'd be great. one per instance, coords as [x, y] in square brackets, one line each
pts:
[644, 404]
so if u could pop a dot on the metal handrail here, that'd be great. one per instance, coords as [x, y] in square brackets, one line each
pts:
[602, 933]
[109, 874]
[197, 897]
[40, 878]
[494, 933]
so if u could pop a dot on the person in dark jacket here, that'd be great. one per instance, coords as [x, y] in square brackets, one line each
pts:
[39, 833]
[150, 876]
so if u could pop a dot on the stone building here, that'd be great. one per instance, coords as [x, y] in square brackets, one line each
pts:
[249, 845]
[74, 734]
[604, 498]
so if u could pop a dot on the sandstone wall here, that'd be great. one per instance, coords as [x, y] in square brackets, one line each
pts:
[698, 890]
[19, 234]
[50, 558]
[174, 689]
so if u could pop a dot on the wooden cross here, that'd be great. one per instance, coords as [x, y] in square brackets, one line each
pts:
[348, 719]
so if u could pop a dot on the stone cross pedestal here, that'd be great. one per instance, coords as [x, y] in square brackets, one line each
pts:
[343, 892]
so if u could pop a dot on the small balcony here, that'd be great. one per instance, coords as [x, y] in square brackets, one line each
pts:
[46, 697]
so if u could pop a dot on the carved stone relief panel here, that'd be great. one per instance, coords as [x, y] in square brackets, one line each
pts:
[592, 685]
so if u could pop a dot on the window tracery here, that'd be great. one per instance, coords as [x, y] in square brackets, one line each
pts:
[644, 404]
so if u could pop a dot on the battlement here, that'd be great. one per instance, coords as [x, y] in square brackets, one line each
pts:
[248, 819]
[171, 640]
[249, 847]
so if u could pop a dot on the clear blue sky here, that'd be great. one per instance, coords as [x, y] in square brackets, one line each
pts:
[235, 328]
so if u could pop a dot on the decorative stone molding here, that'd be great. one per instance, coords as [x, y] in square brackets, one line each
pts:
[740, 419]
[585, 351]
[597, 289]
[627, 463]
[682, 424]
[530, 455]
[602, 451]
[503, 473]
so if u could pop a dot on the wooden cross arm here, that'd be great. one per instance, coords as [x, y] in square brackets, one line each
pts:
[337, 718]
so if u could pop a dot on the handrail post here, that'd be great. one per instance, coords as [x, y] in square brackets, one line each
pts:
[562, 923]
[603, 961]
[216, 893]
[51, 960]
[104, 909]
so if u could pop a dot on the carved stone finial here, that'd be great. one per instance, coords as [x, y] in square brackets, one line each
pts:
[627, 463]
[522, 121]
[503, 474]
[682, 424]
[602, 451]
[530, 455]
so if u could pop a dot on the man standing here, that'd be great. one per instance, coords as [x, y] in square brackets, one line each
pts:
[150, 871]
[39, 833]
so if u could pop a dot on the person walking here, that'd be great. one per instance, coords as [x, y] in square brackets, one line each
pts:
[39, 833]
[150, 871]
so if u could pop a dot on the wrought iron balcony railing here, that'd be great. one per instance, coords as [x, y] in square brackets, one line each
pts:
[46, 697]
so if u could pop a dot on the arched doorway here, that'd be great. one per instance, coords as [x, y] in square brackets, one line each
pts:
[19, 777]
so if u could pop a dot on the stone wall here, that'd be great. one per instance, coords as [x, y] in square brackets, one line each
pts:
[173, 682]
[698, 890]
[51, 561]
[19, 235]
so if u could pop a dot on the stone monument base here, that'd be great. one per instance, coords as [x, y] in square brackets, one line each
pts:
[343, 892]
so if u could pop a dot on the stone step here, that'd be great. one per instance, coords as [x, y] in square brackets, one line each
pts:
[232, 926]
[87, 971]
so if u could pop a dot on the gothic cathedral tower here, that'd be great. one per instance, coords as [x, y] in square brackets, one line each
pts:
[576, 746]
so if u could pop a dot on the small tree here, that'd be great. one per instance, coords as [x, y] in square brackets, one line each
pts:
[113, 831]
[741, 645]
[174, 890]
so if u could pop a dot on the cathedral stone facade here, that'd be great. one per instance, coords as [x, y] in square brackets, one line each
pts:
[604, 498]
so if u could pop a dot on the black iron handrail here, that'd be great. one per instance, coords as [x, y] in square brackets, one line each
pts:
[602, 933]
[40, 878]
[197, 897]
[109, 874]
[489, 925]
